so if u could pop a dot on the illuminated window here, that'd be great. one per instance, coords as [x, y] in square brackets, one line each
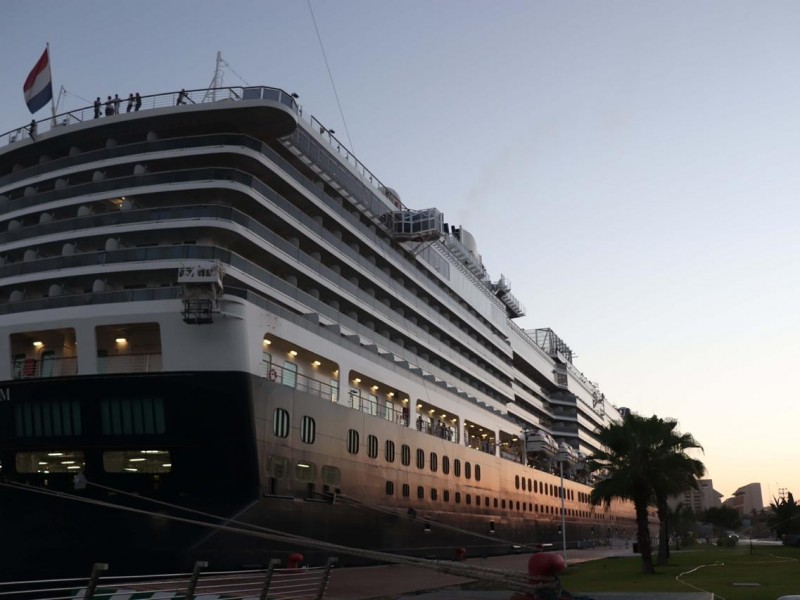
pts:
[137, 461]
[50, 461]
[305, 471]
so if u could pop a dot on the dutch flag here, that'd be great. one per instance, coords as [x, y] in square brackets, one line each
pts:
[38, 88]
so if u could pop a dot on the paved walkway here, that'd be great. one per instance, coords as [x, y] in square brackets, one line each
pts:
[397, 582]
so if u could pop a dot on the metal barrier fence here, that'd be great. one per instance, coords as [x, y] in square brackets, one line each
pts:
[300, 583]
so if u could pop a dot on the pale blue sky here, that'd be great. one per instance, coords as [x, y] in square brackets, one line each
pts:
[631, 166]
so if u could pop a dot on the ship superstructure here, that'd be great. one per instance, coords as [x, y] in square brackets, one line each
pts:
[216, 304]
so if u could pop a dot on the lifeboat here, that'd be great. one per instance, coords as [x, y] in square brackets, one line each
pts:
[541, 444]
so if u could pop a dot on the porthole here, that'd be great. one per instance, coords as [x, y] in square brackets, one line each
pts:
[331, 475]
[467, 470]
[446, 465]
[389, 451]
[457, 467]
[420, 458]
[477, 472]
[390, 488]
[434, 460]
[308, 430]
[352, 441]
[280, 423]
[372, 446]
[405, 455]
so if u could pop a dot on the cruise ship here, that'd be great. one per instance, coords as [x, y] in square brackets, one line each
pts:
[209, 304]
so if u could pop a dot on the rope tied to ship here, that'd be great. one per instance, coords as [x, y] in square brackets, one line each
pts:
[513, 580]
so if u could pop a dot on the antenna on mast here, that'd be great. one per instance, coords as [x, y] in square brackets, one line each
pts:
[216, 81]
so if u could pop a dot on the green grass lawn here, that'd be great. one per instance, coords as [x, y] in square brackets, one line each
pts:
[708, 568]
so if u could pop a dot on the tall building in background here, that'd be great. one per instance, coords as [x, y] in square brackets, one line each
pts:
[746, 499]
[704, 497]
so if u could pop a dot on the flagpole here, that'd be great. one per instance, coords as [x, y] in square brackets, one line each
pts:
[52, 96]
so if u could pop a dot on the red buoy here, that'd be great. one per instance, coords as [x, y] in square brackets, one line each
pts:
[293, 560]
[544, 565]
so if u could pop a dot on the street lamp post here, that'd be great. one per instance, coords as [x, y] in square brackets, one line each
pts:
[563, 455]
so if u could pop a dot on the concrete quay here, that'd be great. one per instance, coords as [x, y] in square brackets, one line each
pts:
[399, 582]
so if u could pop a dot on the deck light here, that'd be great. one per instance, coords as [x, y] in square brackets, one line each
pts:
[55, 454]
[38, 344]
[419, 405]
[316, 363]
[390, 394]
[293, 353]
[374, 388]
[357, 380]
[266, 342]
[121, 340]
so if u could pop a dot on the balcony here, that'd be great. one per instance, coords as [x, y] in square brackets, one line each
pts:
[33, 368]
[129, 363]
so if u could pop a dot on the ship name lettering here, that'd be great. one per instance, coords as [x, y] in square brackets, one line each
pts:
[5, 394]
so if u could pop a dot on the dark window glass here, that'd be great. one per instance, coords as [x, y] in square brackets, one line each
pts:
[308, 430]
[390, 488]
[406, 490]
[372, 446]
[446, 465]
[280, 423]
[434, 459]
[389, 451]
[457, 467]
[352, 441]
[405, 454]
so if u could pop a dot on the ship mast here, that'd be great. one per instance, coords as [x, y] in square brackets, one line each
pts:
[216, 81]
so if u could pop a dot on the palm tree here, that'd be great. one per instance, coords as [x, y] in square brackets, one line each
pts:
[638, 457]
[784, 515]
[675, 472]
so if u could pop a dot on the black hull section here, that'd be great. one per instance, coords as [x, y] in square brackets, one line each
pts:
[219, 435]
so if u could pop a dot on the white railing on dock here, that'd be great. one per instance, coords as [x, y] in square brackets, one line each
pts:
[305, 583]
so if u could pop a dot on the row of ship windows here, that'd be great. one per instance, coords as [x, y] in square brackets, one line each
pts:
[281, 428]
[458, 497]
[540, 487]
[278, 467]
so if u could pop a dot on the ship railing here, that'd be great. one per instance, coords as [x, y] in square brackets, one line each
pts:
[35, 368]
[291, 378]
[302, 583]
[446, 432]
[149, 102]
[129, 363]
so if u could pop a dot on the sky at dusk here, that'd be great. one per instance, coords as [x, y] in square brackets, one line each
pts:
[630, 165]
